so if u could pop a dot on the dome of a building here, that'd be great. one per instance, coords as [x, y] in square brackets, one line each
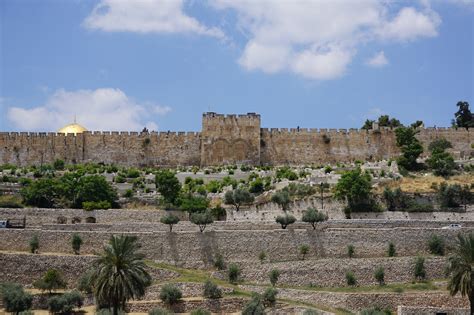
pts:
[72, 128]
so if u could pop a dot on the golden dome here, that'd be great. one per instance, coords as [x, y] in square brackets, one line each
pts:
[72, 128]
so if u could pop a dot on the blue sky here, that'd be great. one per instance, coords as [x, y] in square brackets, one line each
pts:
[121, 65]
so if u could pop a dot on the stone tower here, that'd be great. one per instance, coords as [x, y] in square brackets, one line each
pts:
[230, 139]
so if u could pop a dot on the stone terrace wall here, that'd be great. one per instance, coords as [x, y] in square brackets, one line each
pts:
[194, 249]
[414, 310]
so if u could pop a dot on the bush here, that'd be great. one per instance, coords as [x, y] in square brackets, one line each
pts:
[58, 165]
[436, 245]
[233, 273]
[282, 198]
[274, 275]
[269, 297]
[254, 306]
[10, 201]
[285, 220]
[14, 298]
[238, 197]
[202, 219]
[200, 311]
[95, 205]
[34, 244]
[65, 303]
[375, 311]
[391, 250]
[379, 275]
[304, 249]
[262, 256]
[219, 262]
[84, 284]
[350, 278]
[159, 311]
[51, 280]
[419, 270]
[76, 242]
[170, 294]
[170, 220]
[313, 216]
[128, 193]
[350, 250]
[167, 185]
[311, 312]
[211, 290]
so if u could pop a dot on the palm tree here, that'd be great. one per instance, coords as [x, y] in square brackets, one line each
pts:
[120, 273]
[460, 268]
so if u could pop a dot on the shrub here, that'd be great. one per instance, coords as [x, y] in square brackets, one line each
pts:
[391, 250]
[233, 273]
[119, 179]
[313, 216]
[200, 311]
[51, 280]
[375, 311]
[133, 172]
[436, 245]
[285, 220]
[254, 306]
[201, 219]
[10, 201]
[128, 193]
[282, 198]
[304, 249]
[170, 220]
[159, 311]
[95, 205]
[84, 284]
[65, 303]
[238, 197]
[170, 294]
[269, 297]
[262, 256]
[350, 250]
[14, 298]
[311, 312]
[34, 244]
[211, 290]
[219, 262]
[58, 165]
[379, 275]
[106, 311]
[76, 242]
[274, 275]
[167, 185]
[350, 278]
[419, 270]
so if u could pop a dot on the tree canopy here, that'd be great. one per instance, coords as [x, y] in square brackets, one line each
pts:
[463, 118]
[167, 185]
[238, 197]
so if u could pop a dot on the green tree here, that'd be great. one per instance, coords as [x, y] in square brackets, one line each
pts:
[15, 299]
[65, 303]
[463, 117]
[58, 165]
[202, 219]
[192, 203]
[41, 193]
[410, 146]
[313, 216]
[379, 275]
[34, 244]
[170, 220]
[322, 188]
[254, 306]
[436, 245]
[269, 296]
[285, 220]
[274, 275]
[120, 273]
[211, 290]
[419, 270]
[391, 250]
[94, 188]
[219, 262]
[86, 281]
[440, 161]
[465, 196]
[368, 124]
[355, 187]
[350, 278]
[262, 256]
[350, 250]
[52, 280]
[448, 195]
[304, 249]
[233, 273]
[76, 242]
[170, 294]
[238, 197]
[167, 185]
[460, 268]
[282, 198]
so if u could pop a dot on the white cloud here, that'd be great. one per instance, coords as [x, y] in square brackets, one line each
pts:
[378, 60]
[101, 109]
[146, 16]
[318, 39]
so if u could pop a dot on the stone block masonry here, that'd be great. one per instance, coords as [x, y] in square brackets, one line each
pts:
[224, 139]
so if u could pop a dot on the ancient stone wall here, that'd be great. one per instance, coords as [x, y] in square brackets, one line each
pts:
[225, 139]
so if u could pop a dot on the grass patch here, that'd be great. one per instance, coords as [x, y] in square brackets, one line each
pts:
[392, 287]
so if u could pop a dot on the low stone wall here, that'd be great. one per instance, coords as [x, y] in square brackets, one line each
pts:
[196, 250]
[220, 306]
[358, 301]
[331, 272]
[25, 268]
[414, 310]
[188, 289]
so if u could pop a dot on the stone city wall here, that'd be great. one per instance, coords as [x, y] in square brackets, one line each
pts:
[195, 249]
[225, 139]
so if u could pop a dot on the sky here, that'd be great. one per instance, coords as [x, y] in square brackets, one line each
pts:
[123, 64]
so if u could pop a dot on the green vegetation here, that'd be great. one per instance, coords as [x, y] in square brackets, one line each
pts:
[159, 311]
[52, 280]
[65, 303]
[313, 216]
[254, 306]
[170, 294]
[285, 220]
[262, 256]
[233, 273]
[167, 185]
[453, 196]
[350, 278]
[410, 146]
[274, 275]
[34, 244]
[219, 262]
[383, 121]
[463, 118]
[379, 275]
[375, 311]
[282, 198]
[397, 200]
[419, 270]
[460, 268]
[76, 242]
[350, 250]
[440, 161]
[436, 245]
[238, 197]
[201, 219]
[211, 290]
[14, 298]
[120, 273]
[200, 311]
[170, 220]
[391, 250]
[304, 249]
[269, 297]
